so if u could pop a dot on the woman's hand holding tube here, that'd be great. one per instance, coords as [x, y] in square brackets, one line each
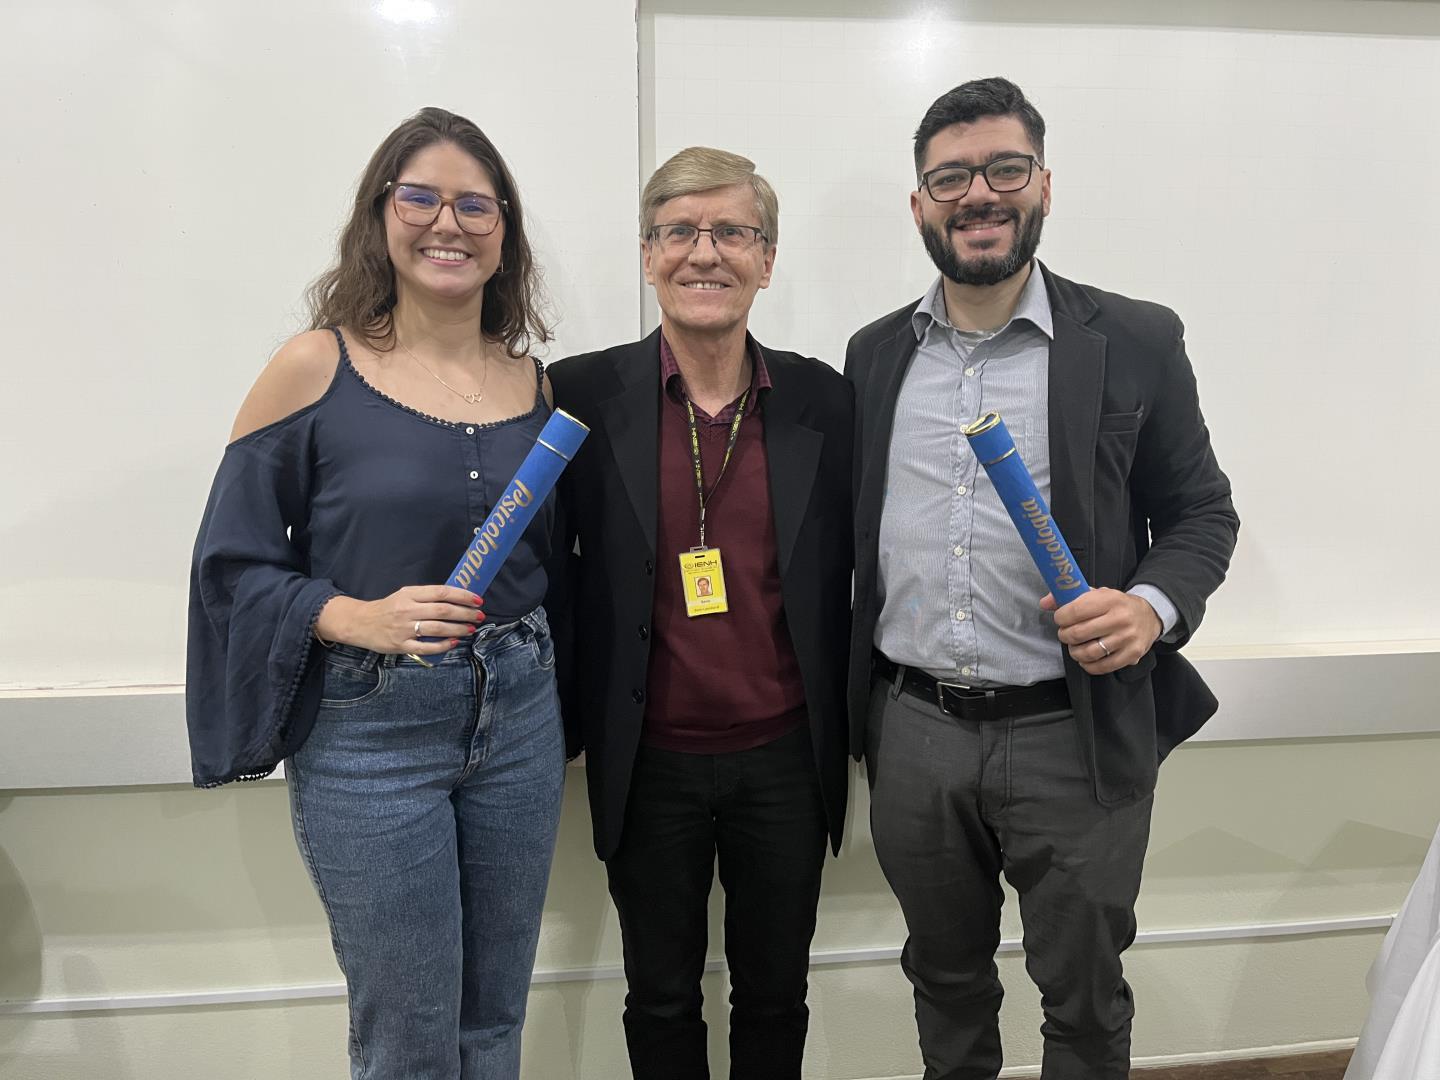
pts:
[1105, 629]
[396, 623]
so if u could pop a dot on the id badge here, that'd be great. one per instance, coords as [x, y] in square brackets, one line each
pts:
[702, 578]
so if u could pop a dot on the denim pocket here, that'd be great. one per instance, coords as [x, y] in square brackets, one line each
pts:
[346, 686]
[543, 646]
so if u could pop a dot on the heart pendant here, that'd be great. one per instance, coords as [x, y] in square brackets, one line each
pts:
[474, 399]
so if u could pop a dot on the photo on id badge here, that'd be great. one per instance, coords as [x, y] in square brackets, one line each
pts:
[703, 579]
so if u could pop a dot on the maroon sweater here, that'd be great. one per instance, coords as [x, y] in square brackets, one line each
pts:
[718, 683]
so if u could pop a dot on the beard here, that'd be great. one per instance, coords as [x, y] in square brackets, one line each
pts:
[984, 269]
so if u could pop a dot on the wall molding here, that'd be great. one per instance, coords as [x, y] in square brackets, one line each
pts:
[118, 736]
[599, 973]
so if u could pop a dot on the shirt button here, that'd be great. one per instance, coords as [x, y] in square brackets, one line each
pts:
[960, 490]
[643, 632]
[637, 696]
[649, 567]
[959, 616]
[471, 430]
[959, 551]
[967, 671]
[474, 476]
[969, 371]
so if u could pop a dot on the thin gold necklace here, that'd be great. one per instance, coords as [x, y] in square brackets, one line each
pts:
[472, 399]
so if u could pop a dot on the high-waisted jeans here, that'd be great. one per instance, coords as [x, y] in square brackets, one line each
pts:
[425, 804]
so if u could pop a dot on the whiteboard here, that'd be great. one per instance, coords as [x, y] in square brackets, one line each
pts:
[157, 275]
[150, 268]
[1308, 295]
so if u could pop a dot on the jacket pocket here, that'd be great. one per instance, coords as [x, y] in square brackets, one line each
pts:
[1120, 423]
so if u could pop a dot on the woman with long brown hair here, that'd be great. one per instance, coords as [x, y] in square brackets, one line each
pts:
[420, 731]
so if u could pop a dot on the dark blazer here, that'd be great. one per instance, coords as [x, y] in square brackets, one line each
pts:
[1135, 489]
[601, 602]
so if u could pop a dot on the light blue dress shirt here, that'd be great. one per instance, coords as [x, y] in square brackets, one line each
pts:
[959, 594]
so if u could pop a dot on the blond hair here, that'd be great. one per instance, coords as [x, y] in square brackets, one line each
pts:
[703, 168]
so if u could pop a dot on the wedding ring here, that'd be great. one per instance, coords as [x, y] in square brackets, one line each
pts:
[1098, 641]
[417, 634]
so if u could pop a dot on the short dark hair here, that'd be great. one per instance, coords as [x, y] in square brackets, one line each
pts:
[973, 100]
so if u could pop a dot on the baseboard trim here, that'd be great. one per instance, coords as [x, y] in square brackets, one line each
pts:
[1254, 1053]
[1171, 1061]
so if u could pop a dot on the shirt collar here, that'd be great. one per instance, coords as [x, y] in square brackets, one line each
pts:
[1033, 306]
[674, 382]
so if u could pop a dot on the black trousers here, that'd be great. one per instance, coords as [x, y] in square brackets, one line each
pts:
[759, 814]
[953, 805]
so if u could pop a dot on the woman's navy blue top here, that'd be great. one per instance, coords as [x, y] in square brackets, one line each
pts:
[355, 494]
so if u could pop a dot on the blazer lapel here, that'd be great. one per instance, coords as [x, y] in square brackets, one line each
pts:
[1076, 388]
[882, 389]
[792, 451]
[632, 425]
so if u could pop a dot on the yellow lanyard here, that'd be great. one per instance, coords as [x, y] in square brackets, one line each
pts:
[695, 454]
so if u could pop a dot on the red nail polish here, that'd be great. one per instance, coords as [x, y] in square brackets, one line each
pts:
[454, 642]
[474, 628]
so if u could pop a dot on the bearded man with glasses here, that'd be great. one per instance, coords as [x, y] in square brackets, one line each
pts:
[1003, 736]
[704, 624]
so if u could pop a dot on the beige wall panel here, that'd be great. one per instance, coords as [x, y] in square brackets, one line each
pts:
[150, 891]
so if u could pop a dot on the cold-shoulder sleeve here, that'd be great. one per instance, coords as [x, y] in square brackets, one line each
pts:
[252, 677]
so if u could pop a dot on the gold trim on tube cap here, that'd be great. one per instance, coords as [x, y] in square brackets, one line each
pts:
[984, 424]
[572, 419]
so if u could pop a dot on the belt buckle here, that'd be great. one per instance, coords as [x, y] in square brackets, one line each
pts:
[941, 687]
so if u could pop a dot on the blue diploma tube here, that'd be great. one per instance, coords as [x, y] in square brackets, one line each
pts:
[524, 495]
[992, 444]
[533, 481]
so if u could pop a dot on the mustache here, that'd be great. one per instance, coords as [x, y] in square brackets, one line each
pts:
[974, 215]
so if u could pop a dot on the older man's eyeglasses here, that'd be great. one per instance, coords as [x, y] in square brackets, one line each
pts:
[951, 182]
[416, 204]
[729, 239]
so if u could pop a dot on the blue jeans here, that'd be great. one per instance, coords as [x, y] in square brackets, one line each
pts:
[425, 805]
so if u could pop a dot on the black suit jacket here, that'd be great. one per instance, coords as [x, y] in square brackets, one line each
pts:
[1135, 489]
[601, 602]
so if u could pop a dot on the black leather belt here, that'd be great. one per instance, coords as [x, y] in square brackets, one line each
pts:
[978, 703]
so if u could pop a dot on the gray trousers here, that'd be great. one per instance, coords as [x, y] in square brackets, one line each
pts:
[953, 805]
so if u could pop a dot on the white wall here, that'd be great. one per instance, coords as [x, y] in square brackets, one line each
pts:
[155, 295]
[173, 178]
[1214, 168]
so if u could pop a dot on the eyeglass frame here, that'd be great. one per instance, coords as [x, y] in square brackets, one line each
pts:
[982, 170]
[392, 186]
[757, 233]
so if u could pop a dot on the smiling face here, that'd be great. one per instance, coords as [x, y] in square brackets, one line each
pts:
[984, 237]
[441, 260]
[699, 288]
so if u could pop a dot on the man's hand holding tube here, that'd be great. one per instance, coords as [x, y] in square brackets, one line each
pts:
[1126, 624]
